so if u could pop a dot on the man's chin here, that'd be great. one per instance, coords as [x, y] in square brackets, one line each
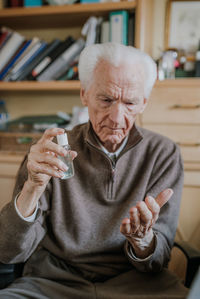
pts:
[114, 139]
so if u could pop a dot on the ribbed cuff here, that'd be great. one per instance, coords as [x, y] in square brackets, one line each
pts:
[29, 218]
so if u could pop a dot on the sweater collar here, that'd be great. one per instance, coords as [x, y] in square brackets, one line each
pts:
[135, 136]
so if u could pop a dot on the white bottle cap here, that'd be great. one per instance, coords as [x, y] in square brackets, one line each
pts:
[62, 139]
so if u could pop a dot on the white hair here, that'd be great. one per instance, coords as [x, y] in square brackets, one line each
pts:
[116, 54]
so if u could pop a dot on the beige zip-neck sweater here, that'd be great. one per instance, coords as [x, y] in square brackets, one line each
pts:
[79, 219]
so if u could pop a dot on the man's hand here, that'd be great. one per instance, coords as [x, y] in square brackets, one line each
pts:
[138, 227]
[43, 163]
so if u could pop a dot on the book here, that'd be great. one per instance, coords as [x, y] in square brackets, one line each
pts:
[14, 3]
[5, 35]
[62, 63]
[32, 3]
[72, 71]
[10, 48]
[98, 30]
[14, 59]
[22, 59]
[131, 29]
[28, 69]
[46, 62]
[118, 26]
[104, 32]
[40, 47]
[89, 30]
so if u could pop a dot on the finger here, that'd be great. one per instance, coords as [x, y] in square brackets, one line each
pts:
[53, 161]
[48, 146]
[42, 168]
[145, 215]
[73, 154]
[134, 218]
[154, 207]
[125, 227]
[164, 196]
[51, 133]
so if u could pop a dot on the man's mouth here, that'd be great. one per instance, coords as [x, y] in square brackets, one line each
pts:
[115, 129]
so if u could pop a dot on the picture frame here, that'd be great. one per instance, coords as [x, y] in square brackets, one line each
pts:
[183, 25]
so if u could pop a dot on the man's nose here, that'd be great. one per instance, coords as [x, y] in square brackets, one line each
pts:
[116, 114]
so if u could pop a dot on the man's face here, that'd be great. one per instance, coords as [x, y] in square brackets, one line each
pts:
[114, 101]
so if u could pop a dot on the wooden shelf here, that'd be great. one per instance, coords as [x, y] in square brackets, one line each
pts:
[58, 16]
[74, 85]
[57, 86]
[179, 82]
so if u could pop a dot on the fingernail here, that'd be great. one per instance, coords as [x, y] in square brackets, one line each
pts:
[150, 198]
[168, 191]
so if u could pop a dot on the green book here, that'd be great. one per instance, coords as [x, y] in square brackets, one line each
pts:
[118, 26]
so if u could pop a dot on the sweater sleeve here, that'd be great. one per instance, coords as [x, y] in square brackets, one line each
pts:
[167, 173]
[18, 237]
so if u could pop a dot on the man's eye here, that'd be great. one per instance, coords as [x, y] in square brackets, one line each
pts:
[107, 100]
[129, 103]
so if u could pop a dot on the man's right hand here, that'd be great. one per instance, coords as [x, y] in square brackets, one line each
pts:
[43, 163]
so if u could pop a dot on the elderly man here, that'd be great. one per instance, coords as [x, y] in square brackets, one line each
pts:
[108, 231]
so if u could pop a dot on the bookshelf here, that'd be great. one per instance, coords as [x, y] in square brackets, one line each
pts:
[71, 17]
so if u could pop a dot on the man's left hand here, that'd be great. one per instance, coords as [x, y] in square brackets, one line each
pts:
[138, 227]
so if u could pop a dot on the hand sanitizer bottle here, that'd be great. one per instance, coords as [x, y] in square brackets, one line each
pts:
[63, 141]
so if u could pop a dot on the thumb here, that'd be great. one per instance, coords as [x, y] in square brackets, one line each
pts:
[164, 196]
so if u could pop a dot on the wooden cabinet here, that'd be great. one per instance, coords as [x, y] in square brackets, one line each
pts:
[174, 111]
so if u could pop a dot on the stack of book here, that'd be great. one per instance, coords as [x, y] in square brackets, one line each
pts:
[35, 59]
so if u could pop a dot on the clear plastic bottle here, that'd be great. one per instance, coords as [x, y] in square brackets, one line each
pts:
[63, 141]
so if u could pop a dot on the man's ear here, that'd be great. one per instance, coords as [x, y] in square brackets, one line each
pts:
[83, 96]
[145, 101]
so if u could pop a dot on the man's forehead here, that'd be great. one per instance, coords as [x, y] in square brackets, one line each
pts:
[133, 72]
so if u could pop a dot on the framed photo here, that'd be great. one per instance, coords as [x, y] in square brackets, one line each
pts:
[183, 25]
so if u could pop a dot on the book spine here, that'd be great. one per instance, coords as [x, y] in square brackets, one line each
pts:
[25, 58]
[27, 50]
[31, 3]
[10, 48]
[30, 63]
[16, 76]
[15, 58]
[131, 29]
[43, 52]
[61, 64]
[45, 60]
[118, 28]
[4, 38]
[53, 55]
[105, 32]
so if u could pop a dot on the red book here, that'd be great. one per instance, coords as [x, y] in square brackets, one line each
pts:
[4, 37]
[15, 3]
